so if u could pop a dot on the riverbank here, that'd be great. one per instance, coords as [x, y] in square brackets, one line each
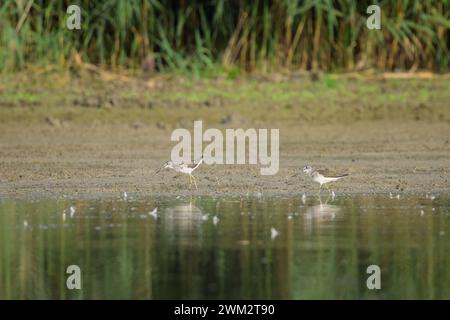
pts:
[389, 135]
[107, 160]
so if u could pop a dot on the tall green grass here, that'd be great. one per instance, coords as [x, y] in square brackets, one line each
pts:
[201, 36]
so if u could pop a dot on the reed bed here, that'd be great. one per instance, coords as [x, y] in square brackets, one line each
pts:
[206, 37]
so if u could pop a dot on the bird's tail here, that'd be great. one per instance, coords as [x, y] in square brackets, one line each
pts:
[340, 177]
[198, 163]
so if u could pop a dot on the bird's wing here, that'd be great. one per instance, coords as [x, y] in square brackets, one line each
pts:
[330, 173]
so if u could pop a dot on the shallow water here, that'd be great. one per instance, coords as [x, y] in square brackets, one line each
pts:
[249, 248]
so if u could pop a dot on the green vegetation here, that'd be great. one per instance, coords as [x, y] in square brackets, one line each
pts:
[227, 36]
[170, 102]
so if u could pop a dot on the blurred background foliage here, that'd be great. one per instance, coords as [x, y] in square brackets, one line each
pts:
[232, 36]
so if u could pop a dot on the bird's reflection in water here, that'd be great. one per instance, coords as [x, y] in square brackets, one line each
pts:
[320, 213]
[183, 219]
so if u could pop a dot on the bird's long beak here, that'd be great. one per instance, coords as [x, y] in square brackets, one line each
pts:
[158, 170]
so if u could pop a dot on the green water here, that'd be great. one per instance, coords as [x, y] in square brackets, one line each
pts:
[320, 249]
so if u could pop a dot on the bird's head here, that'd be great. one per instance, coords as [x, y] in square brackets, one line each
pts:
[168, 164]
[307, 169]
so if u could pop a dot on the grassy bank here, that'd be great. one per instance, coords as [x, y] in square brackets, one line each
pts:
[60, 98]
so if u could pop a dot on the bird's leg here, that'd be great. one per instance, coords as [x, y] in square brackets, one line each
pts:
[195, 183]
[328, 189]
[190, 181]
[320, 188]
[320, 199]
[193, 180]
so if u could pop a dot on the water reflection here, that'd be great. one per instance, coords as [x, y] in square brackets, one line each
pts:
[183, 218]
[320, 213]
[203, 247]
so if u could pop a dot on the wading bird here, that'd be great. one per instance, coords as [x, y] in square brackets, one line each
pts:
[183, 168]
[322, 176]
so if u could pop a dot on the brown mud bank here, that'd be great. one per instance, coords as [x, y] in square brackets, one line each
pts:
[105, 160]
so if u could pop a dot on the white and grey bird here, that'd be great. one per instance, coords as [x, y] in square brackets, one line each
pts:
[186, 168]
[322, 177]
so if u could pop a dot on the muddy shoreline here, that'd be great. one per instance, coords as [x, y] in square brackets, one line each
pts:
[103, 161]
